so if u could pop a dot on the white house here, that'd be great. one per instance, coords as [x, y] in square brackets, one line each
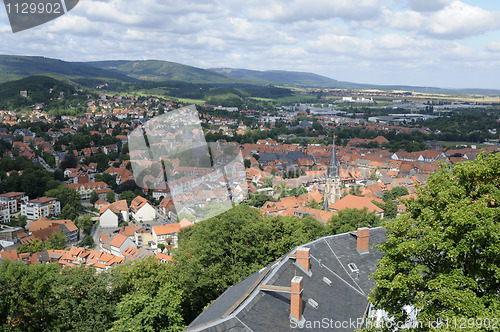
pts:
[141, 209]
[119, 243]
[113, 214]
[166, 234]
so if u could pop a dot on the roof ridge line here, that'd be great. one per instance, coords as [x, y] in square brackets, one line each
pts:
[335, 274]
[336, 257]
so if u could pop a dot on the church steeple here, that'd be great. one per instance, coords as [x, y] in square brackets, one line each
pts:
[333, 168]
[332, 181]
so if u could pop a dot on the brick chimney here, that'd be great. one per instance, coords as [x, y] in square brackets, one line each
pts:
[296, 298]
[363, 239]
[303, 256]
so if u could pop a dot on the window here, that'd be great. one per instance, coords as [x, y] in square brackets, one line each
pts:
[353, 267]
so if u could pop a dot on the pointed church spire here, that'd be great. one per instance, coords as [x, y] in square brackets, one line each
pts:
[333, 169]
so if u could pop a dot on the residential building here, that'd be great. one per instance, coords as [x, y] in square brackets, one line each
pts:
[167, 208]
[166, 234]
[356, 202]
[85, 189]
[142, 237]
[4, 213]
[141, 210]
[43, 206]
[117, 245]
[68, 227]
[113, 214]
[325, 281]
[14, 200]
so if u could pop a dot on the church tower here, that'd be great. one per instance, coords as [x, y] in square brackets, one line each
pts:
[332, 184]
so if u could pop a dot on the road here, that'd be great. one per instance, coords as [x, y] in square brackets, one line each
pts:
[44, 164]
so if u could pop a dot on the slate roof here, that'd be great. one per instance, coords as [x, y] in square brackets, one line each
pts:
[290, 157]
[244, 307]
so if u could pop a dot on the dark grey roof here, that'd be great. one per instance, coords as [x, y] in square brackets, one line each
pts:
[43, 257]
[244, 307]
[289, 158]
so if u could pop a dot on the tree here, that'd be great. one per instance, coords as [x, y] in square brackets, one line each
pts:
[25, 291]
[267, 183]
[34, 246]
[141, 311]
[152, 298]
[81, 301]
[399, 191]
[221, 251]
[66, 196]
[94, 197]
[68, 212]
[351, 219]
[85, 223]
[441, 255]
[69, 162]
[56, 242]
[259, 199]
[88, 241]
[110, 196]
[128, 196]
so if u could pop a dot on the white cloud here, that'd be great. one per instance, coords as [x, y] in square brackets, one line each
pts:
[308, 10]
[343, 39]
[493, 46]
[459, 20]
[428, 5]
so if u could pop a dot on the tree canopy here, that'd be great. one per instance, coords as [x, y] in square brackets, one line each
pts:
[441, 256]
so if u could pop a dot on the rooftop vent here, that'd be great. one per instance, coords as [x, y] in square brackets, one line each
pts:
[313, 303]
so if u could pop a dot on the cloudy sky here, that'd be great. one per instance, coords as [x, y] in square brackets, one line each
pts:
[444, 43]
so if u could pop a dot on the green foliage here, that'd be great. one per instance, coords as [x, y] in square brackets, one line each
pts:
[152, 300]
[85, 223]
[315, 205]
[68, 197]
[25, 293]
[56, 242]
[399, 191]
[259, 199]
[128, 196]
[441, 256]
[351, 219]
[94, 197]
[221, 251]
[80, 300]
[35, 246]
[267, 183]
[110, 196]
[34, 181]
[88, 241]
[141, 311]
[297, 191]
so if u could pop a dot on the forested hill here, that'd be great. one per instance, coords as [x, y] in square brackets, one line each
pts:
[39, 89]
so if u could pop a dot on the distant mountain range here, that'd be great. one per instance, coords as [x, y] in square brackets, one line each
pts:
[125, 71]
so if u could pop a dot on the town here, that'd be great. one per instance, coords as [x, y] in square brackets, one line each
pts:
[113, 220]
[69, 195]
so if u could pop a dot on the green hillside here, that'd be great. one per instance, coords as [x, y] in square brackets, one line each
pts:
[279, 76]
[155, 70]
[39, 89]
[15, 67]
